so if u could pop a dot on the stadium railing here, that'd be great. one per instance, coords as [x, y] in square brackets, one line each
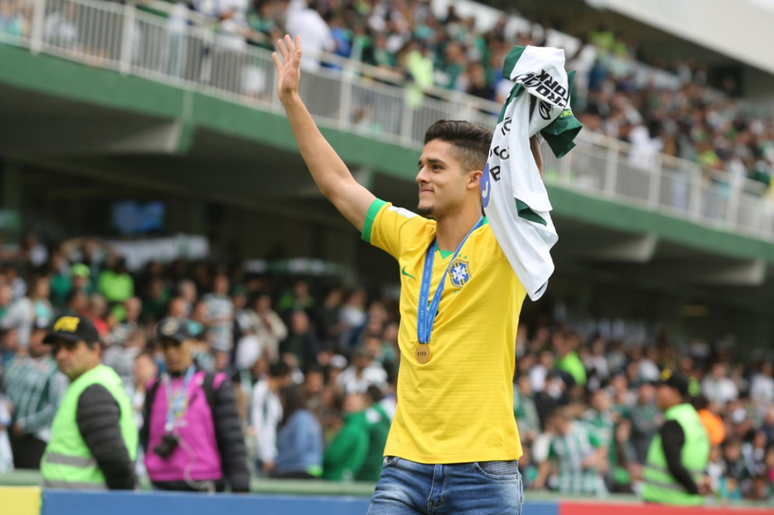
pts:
[186, 50]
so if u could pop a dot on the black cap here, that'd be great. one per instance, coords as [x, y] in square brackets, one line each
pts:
[73, 328]
[171, 328]
[675, 380]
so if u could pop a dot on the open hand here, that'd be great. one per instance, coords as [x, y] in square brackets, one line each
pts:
[288, 67]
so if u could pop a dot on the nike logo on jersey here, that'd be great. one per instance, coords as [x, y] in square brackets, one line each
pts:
[403, 272]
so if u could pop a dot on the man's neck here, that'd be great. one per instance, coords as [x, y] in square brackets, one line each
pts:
[451, 229]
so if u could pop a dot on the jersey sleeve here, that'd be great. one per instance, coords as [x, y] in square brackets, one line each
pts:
[389, 228]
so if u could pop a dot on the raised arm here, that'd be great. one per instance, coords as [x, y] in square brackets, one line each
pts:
[328, 170]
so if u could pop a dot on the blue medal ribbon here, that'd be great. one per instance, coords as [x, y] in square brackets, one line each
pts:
[426, 314]
[176, 402]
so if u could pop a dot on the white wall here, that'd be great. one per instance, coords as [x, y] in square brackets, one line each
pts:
[739, 29]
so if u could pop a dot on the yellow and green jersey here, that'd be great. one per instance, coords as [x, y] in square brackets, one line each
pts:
[458, 407]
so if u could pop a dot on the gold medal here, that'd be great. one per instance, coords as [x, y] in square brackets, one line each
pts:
[423, 353]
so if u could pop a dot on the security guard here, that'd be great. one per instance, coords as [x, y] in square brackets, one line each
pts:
[93, 437]
[677, 458]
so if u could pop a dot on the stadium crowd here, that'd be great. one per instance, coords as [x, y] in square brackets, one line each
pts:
[313, 368]
[687, 119]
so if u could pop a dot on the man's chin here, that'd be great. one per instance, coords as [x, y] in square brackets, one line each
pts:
[425, 211]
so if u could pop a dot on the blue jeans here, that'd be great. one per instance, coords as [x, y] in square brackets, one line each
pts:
[486, 488]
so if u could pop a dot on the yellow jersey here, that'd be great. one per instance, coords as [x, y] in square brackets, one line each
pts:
[458, 407]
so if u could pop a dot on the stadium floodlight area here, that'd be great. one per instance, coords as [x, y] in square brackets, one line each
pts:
[368, 101]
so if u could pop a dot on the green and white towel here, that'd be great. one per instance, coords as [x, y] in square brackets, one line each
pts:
[514, 197]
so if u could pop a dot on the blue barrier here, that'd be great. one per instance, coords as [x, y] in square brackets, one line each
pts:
[62, 502]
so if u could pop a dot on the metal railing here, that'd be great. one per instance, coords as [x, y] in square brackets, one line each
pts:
[185, 50]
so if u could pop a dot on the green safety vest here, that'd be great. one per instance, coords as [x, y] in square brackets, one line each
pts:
[659, 486]
[67, 462]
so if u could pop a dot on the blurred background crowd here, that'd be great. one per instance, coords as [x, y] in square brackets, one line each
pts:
[405, 40]
[314, 369]
[680, 115]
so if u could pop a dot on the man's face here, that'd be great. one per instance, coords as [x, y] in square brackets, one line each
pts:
[221, 284]
[314, 383]
[75, 358]
[362, 362]
[144, 369]
[36, 347]
[177, 355]
[443, 184]
[6, 295]
[665, 397]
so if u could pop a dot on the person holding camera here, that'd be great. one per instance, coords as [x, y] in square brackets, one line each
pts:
[192, 436]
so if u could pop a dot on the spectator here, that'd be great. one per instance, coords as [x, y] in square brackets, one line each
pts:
[269, 327]
[62, 30]
[267, 413]
[568, 360]
[121, 357]
[623, 458]
[34, 387]
[301, 343]
[11, 23]
[644, 420]
[221, 309]
[582, 457]
[192, 437]
[754, 455]
[353, 318]
[244, 380]
[378, 425]
[363, 372]
[717, 387]
[300, 440]
[145, 371]
[735, 471]
[713, 423]
[121, 331]
[600, 417]
[299, 299]
[117, 286]
[25, 310]
[303, 19]
[762, 385]
[524, 409]
[96, 311]
[346, 455]
[6, 454]
[9, 345]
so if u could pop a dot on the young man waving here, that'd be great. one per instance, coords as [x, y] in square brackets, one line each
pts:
[453, 444]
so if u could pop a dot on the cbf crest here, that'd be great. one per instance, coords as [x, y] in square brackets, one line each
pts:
[459, 272]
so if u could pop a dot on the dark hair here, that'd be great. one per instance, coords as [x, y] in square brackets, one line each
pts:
[471, 142]
[375, 394]
[294, 400]
[313, 368]
[279, 369]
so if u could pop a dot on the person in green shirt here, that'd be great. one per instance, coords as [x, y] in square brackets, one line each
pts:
[117, 286]
[581, 456]
[600, 418]
[346, 455]
[524, 409]
[378, 423]
[567, 359]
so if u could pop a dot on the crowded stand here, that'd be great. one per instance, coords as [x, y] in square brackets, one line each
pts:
[313, 369]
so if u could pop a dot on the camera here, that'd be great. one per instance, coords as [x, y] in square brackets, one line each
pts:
[167, 446]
